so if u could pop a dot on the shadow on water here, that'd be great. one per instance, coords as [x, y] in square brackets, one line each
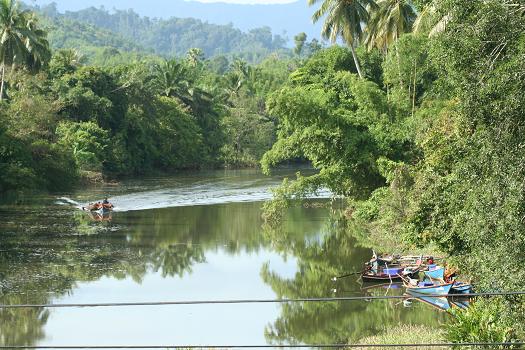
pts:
[51, 252]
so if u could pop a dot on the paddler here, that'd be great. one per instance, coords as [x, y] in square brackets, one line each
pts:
[106, 204]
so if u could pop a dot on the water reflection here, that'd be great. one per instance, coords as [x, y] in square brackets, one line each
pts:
[333, 322]
[52, 253]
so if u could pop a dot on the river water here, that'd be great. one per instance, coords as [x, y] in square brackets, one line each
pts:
[182, 238]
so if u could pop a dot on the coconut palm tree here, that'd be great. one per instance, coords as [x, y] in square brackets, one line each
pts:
[429, 21]
[173, 79]
[21, 41]
[65, 61]
[345, 19]
[390, 20]
[177, 79]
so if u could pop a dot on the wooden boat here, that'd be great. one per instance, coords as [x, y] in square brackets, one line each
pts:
[389, 274]
[422, 261]
[99, 208]
[429, 288]
[438, 275]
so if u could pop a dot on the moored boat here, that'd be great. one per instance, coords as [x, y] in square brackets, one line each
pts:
[389, 274]
[388, 269]
[428, 288]
[99, 207]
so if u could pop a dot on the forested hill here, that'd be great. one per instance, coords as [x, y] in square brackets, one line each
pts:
[127, 31]
[291, 17]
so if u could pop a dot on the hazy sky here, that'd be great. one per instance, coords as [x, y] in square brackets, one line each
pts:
[250, 1]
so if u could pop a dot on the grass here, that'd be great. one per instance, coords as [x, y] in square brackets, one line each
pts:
[405, 334]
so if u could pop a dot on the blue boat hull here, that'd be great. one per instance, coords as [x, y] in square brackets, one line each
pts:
[437, 274]
[441, 289]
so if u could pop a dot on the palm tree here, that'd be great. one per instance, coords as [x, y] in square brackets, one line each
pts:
[390, 20]
[428, 21]
[38, 52]
[67, 59]
[195, 56]
[21, 41]
[173, 79]
[178, 80]
[345, 19]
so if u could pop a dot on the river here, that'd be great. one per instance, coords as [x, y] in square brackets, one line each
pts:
[181, 238]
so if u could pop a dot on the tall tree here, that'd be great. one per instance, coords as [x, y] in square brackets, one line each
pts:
[390, 20]
[195, 56]
[345, 19]
[21, 40]
[300, 40]
[173, 79]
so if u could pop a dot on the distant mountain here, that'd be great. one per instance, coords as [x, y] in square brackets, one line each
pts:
[97, 33]
[291, 18]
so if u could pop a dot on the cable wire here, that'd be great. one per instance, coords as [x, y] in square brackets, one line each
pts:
[261, 301]
[339, 346]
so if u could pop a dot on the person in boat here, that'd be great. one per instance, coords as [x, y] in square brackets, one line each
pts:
[106, 204]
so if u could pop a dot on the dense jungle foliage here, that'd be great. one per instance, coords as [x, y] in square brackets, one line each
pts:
[418, 122]
[427, 145]
[71, 120]
[63, 119]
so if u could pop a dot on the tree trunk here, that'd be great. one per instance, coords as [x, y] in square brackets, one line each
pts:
[356, 61]
[399, 65]
[2, 83]
[414, 90]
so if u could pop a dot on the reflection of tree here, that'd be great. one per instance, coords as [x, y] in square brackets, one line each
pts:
[329, 322]
[175, 260]
[22, 326]
[235, 226]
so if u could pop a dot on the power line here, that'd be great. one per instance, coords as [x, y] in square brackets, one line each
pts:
[280, 346]
[261, 301]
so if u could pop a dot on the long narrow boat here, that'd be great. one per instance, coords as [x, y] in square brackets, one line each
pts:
[393, 274]
[99, 210]
[429, 288]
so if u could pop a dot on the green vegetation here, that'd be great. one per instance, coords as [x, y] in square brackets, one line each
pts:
[480, 323]
[63, 120]
[428, 151]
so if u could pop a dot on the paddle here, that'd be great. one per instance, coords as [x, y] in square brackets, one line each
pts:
[347, 275]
